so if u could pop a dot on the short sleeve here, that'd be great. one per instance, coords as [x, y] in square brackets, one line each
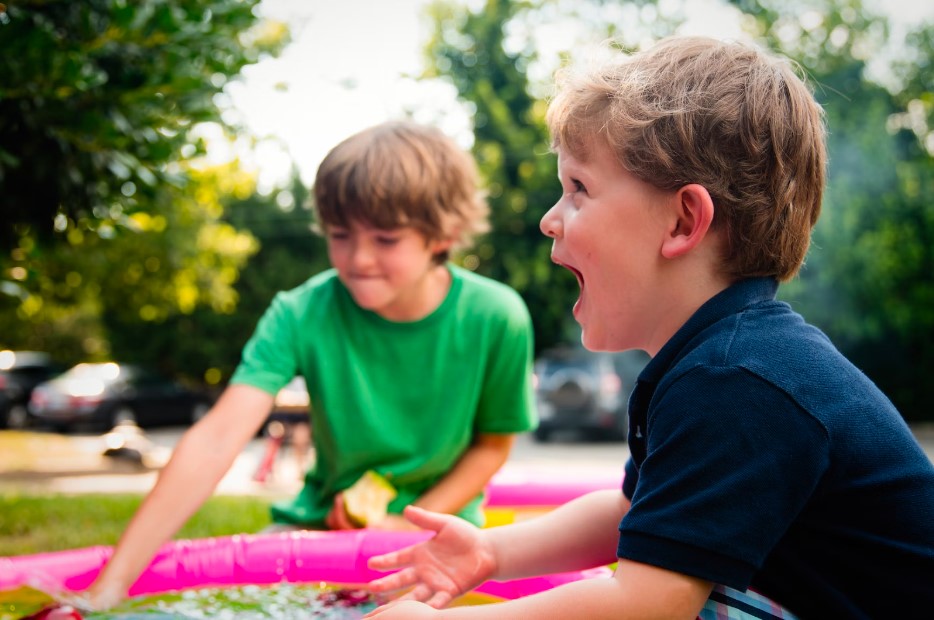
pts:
[730, 461]
[269, 358]
[506, 402]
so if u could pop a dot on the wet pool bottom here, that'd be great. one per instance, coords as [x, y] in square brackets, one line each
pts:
[287, 601]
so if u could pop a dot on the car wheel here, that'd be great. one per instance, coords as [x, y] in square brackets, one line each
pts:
[17, 417]
[199, 411]
[124, 415]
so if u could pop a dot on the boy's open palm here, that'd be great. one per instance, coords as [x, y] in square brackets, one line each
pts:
[454, 561]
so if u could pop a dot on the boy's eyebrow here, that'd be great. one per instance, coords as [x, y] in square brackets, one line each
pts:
[572, 168]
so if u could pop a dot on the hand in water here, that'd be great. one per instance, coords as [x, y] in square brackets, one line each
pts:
[97, 598]
[58, 602]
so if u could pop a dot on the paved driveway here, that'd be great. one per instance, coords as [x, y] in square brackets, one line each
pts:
[46, 462]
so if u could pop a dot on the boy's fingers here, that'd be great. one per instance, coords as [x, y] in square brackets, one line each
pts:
[393, 559]
[337, 519]
[439, 600]
[396, 581]
[424, 594]
[426, 519]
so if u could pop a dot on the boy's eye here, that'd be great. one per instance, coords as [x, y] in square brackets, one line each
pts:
[337, 235]
[578, 186]
[387, 240]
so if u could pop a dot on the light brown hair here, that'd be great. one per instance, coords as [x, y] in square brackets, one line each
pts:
[723, 115]
[398, 174]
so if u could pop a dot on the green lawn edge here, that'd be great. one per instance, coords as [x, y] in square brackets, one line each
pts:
[31, 524]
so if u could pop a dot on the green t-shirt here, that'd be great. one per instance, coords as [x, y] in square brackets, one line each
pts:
[403, 399]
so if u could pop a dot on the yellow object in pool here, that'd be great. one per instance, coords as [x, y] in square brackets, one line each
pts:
[368, 499]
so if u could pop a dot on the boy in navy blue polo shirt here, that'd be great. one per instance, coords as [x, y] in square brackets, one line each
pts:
[768, 476]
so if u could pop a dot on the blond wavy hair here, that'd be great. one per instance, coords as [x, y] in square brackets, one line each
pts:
[724, 115]
[400, 173]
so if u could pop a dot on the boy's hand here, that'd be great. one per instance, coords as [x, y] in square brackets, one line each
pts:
[456, 560]
[338, 519]
[99, 597]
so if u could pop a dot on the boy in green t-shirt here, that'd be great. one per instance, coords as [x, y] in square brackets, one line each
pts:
[416, 369]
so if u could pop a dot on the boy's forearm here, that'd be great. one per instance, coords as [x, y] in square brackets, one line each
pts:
[470, 474]
[200, 460]
[636, 591]
[575, 536]
[592, 599]
[175, 497]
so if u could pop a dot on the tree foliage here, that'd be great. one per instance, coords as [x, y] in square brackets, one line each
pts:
[289, 253]
[110, 226]
[868, 281]
[511, 148]
[91, 295]
[98, 97]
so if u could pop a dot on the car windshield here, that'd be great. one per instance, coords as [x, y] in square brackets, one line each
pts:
[94, 372]
[91, 379]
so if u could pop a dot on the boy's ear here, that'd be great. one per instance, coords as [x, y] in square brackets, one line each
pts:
[441, 245]
[694, 212]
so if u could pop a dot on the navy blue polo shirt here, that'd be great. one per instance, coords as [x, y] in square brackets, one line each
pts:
[762, 458]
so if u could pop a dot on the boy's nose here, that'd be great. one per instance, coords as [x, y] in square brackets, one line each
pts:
[361, 255]
[551, 222]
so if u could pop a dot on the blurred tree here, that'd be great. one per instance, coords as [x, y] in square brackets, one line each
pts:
[511, 148]
[98, 97]
[868, 280]
[289, 253]
[107, 228]
[100, 295]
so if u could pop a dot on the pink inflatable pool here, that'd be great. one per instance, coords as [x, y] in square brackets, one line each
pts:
[335, 557]
[519, 492]
[529, 485]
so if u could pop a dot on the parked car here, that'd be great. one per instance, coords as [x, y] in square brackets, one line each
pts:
[20, 372]
[107, 394]
[585, 392]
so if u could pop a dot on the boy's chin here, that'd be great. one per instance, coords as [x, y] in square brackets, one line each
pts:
[597, 342]
[592, 342]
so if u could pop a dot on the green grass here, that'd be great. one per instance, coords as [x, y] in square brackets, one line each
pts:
[37, 524]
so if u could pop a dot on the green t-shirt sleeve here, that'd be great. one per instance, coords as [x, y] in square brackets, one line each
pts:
[269, 359]
[507, 401]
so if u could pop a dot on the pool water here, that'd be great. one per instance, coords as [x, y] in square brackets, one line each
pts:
[286, 601]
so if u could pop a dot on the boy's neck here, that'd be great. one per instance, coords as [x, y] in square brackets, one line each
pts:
[693, 289]
[424, 300]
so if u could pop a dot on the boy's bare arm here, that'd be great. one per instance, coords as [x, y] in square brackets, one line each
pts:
[199, 461]
[469, 475]
[636, 591]
[577, 535]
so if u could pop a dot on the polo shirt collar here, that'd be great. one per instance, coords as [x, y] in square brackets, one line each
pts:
[731, 300]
